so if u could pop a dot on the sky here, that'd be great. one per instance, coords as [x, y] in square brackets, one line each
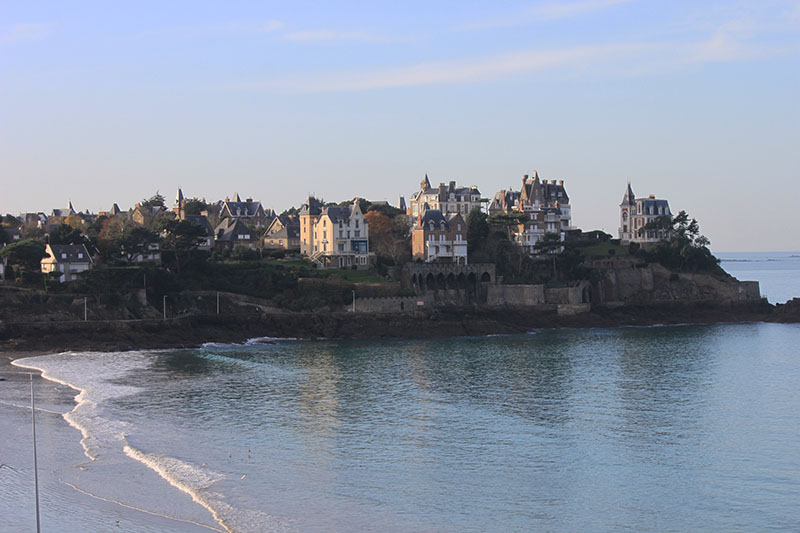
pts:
[695, 102]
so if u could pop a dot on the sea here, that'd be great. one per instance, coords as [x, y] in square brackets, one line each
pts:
[664, 428]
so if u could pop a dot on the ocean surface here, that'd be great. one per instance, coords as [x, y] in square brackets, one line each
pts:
[777, 272]
[679, 428]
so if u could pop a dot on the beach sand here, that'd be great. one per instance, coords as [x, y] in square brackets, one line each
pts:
[76, 494]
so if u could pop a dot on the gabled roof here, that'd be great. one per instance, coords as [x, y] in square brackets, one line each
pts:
[241, 209]
[337, 213]
[230, 229]
[629, 197]
[68, 253]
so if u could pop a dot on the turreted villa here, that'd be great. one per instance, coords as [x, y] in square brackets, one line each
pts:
[635, 213]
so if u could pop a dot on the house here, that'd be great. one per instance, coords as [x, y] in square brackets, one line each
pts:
[545, 202]
[283, 233]
[233, 232]
[114, 211]
[202, 221]
[437, 236]
[69, 259]
[150, 253]
[635, 213]
[144, 215]
[65, 212]
[448, 198]
[334, 236]
[250, 212]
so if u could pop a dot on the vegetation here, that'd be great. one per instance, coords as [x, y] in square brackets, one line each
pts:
[684, 250]
[26, 254]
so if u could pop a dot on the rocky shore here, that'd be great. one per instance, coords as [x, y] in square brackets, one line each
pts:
[109, 335]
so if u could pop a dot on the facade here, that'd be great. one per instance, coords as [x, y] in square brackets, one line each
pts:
[546, 203]
[144, 215]
[448, 199]
[635, 213]
[69, 259]
[283, 234]
[249, 211]
[437, 237]
[334, 236]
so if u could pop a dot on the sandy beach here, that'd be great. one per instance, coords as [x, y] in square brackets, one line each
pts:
[75, 495]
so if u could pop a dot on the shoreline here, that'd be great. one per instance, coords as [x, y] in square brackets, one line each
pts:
[31, 338]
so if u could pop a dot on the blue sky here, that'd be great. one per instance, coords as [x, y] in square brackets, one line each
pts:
[696, 102]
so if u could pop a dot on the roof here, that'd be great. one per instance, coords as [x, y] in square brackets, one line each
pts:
[312, 207]
[230, 229]
[337, 213]
[242, 209]
[201, 221]
[68, 253]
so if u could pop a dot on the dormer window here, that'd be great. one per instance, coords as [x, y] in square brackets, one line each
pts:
[80, 255]
[63, 256]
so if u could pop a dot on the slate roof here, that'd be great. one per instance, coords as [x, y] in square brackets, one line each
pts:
[201, 221]
[71, 251]
[230, 229]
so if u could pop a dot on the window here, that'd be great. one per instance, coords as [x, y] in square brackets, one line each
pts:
[356, 225]
[80, 255]
[357, 233]
[341, 247]
[63, 256]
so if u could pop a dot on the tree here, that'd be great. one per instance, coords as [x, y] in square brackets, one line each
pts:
[74, 221]
[508, 220]
[685, 250]
[194, 207]
[477, 230]
[386, 209]
[183, 236]
[27, 254]
[388, 237]
[154, 201]
[4, 238]
[134, 240]
[64, 234]
[550, 245]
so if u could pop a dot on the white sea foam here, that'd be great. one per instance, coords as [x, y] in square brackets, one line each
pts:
[98, 378]
[255, 341]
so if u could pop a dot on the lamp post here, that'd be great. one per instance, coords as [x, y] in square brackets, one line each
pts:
[354, 300]
[33, 432]
[165, 306]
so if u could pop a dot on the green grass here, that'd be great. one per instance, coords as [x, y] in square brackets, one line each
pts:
[355, 276]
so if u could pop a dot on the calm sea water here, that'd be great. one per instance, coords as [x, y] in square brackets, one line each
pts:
[678, 428]
[777, 272]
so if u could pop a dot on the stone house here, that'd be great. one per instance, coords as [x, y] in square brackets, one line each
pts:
[144, 215]
[232, 232]
[69, 259]
[249, 211]
[635, 213]
[437, 237]
[448, 199]
[283, 233]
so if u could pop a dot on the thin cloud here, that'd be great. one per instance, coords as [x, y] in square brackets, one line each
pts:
[225, 28]
[27, 32]
[617, 60]
[327, 36]
[436, 73]
[543, 12]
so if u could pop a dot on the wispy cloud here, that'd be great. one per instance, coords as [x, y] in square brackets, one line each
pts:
[27, 32]
[543, 11]
[327, 36]
[223, 28]
[617, 60]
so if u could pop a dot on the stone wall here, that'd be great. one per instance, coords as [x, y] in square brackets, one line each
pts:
[499, 295]
[650, 283]
[393, 304]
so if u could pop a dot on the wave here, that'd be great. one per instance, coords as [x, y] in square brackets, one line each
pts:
[255, 341]
[98, 377]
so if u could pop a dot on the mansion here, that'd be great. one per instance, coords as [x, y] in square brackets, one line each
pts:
[334, 236]
[448, 199]
[635, 213]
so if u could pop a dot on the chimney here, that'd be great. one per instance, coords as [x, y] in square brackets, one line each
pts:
[652, 196]
[248, 200]
[561, 182]
[525, 177]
